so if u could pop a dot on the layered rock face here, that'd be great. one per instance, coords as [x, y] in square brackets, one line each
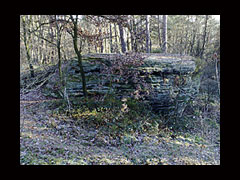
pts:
[169, 75]
[171, 79]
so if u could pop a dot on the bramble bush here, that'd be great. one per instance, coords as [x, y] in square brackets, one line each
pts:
[124, 70]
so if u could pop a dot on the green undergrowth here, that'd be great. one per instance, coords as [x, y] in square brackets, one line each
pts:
[110, 115]
[115, 117]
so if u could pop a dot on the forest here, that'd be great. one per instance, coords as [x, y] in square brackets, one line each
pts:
[119, 89]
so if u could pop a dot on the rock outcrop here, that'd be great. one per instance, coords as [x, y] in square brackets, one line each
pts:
[171, 78]
[169, 75]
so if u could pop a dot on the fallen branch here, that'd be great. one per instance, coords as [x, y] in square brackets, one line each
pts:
[38, 81]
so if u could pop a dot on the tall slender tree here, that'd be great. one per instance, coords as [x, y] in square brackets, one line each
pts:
[128, 41]
[58, 45]
[78, 51]
[147, 35]
[204, 36]
[123, 44]
[26, 40]
[165, 41]
[193, 37]
[133, 34]
[116, 38]
[110, 34]
[159, 31]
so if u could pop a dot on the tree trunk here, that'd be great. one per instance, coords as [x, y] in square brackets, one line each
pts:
[50, 30]
[60, 63]
[89, 48]
[123, 44]
[116, 39]
[193, 41]
[128, 42]
[58, 33]
[197, 53]
[159, 32]
[164, 34]
[132, 35]
[150, 40]
[105, 45]
[96, 48]
[110, 33]
[78, 52]
[142, 33]
[217, 73]
[59, 60]
[204, 37]
[26, 44]
[101, 42]
[147, 35]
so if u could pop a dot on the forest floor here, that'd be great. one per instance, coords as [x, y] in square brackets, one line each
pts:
[47, 139]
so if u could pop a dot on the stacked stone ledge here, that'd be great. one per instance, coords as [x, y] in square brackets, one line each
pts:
[170, 76]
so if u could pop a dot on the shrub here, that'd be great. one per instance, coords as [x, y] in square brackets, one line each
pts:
[157, 50]
[124, 70]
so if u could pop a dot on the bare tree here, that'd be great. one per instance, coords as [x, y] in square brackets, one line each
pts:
[26, 40]
[204, 36]
[58, 44]
[159, 32]
[193, 37]
[123, 44]
[116, 38]
[165, 33]
[215, 58]
[78, 51]
[133, 34]
[110, 33]
[147, 34]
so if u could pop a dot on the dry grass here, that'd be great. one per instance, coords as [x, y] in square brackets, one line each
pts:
[50, 139]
